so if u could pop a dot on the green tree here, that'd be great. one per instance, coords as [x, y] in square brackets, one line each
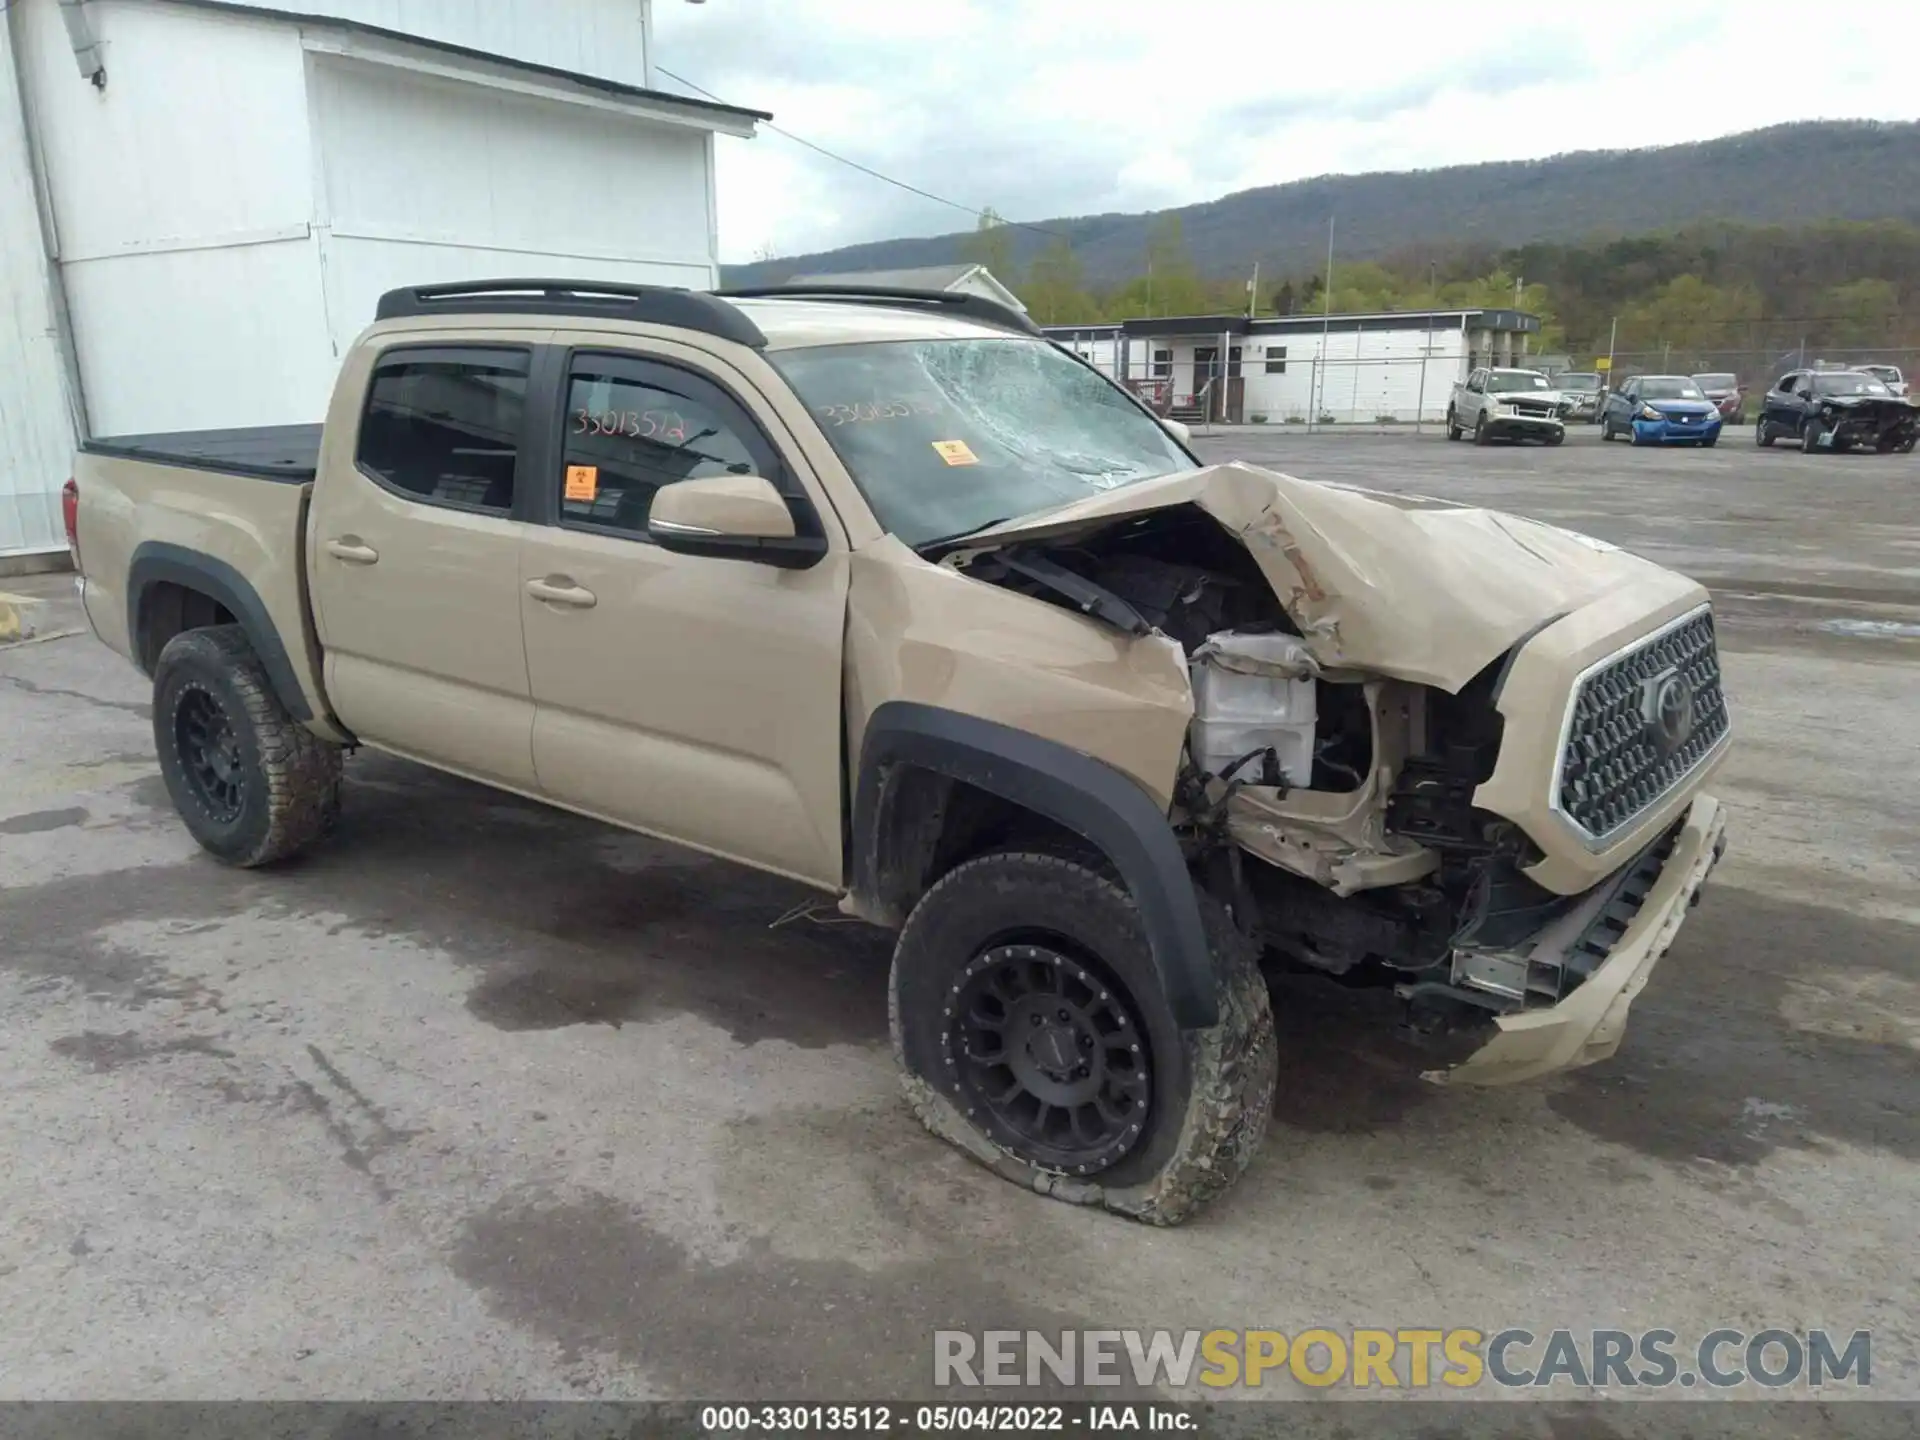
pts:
[1055, 291]
[1864, 312]
[1366, 286]
[1172, 284]
[1688, 318]
[991, 245]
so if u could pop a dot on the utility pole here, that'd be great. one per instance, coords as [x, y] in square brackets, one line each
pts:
[1426, 348]
[1326, 329]
[1253, 291]
[1612, 335]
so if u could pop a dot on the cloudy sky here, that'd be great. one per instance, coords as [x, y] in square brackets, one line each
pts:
[1041, 108]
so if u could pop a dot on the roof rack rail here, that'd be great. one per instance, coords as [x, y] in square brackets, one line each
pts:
[973, 307]
[652, 304]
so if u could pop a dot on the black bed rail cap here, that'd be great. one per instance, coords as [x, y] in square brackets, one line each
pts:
[651, 304]
[973, 307]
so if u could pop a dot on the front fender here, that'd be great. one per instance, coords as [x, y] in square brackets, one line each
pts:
[1087, 796]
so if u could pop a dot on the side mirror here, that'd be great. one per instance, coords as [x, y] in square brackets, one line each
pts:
[1805, 392]
[1178, 430]
[732, 517]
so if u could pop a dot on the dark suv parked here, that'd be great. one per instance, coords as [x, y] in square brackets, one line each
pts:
[1837, 410]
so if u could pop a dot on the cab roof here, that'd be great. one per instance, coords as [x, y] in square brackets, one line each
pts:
[774, 318]
[797, 323]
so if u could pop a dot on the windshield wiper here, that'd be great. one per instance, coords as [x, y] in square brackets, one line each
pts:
[962, 534]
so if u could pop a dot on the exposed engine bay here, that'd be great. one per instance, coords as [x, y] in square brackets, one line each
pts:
[1332, 810]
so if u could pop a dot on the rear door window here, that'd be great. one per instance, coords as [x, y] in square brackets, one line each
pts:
[443, 426]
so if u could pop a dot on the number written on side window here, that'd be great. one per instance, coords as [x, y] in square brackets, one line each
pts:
[634, 424]
[637, 436]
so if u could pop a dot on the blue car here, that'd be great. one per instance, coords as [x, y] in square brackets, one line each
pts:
[1661, 410]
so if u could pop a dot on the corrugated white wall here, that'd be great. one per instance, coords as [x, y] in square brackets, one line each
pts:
[595, 37]
[233, 204]
[183, 197]
[426, 180]
[1363, 375]
[36, 430]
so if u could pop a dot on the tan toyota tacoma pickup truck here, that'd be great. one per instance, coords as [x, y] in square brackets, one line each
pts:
[883, 592]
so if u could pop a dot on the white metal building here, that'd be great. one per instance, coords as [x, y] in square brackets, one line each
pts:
[200, 201]
[1343, 368]
[961, 279]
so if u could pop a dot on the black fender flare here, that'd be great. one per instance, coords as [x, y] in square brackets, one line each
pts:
[1097, 802]
[156, 562]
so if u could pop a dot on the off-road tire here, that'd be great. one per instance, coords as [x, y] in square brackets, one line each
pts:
[1212, 1089]
[289, 777]
[1453, 426]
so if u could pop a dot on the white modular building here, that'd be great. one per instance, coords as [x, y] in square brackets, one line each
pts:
[201, 201]
[964, 278]
[1395, 366]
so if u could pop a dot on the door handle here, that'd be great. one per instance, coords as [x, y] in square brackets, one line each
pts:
[353, 551]
[559, 590]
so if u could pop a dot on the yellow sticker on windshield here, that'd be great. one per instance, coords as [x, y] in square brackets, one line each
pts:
[955, 452]
[583, 482]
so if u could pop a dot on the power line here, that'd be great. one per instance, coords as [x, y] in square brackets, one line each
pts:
[864, 169]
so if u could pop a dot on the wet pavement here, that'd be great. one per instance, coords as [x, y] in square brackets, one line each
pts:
[484, 1100]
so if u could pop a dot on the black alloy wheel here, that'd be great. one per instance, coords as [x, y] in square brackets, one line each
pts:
[210, 756]
[1050, 1057]
[252, 784]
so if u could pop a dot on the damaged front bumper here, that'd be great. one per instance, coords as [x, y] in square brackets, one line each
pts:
[1587, 1025]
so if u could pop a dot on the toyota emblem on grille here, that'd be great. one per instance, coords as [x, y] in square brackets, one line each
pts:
[1666, 707]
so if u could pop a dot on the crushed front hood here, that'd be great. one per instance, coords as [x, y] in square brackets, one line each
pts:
[1400, 585]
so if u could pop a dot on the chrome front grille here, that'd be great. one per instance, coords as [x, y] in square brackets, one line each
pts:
[1640, 723]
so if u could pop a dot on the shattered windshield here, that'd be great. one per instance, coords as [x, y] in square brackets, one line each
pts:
[945, 437]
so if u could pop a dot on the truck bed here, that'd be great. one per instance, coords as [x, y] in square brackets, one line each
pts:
[203, 527]
[266, 452]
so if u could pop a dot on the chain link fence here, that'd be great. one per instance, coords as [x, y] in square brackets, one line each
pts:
[1758, 369]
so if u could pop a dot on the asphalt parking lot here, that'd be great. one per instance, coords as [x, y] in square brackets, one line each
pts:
[481, 1100]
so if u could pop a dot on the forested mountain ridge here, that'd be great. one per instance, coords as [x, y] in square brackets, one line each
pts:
[1783, 175]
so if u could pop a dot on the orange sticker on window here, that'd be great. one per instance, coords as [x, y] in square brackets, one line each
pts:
[583, 482]
[955, 452]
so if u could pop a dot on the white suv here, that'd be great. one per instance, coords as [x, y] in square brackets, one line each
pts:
[1889, 374]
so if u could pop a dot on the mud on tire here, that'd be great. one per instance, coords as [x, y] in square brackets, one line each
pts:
[1211, 1090]
[252, 784]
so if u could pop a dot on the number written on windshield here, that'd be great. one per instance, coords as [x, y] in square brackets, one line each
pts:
[870, 410]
